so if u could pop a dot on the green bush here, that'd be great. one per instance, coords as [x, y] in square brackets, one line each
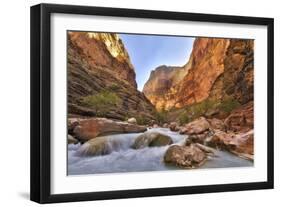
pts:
[113, 87]
[200, 109]
[102, 102]
[228, 104]
[161, 117]
[184, 118]
[142, 120]
[196, 110]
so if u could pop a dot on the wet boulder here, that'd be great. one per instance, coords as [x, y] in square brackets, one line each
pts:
[152, 139]
[97, 146]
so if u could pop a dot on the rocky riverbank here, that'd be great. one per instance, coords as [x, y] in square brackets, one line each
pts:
[155, 149]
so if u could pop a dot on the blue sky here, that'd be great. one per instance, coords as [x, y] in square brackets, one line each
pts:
[150, 51]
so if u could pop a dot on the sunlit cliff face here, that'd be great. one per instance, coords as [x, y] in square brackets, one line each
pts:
[217, 68]
[113, 44]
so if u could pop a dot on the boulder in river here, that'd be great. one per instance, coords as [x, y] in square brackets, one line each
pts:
[152, 139]
[185, 156]
[90, 128]
[97, 146]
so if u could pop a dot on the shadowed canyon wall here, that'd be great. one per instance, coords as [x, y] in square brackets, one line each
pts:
[99, 68]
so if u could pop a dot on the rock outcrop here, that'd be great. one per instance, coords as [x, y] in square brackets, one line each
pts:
[241, 119]
[99, 63]
[241, 144]
[217, 68]
[86, 129]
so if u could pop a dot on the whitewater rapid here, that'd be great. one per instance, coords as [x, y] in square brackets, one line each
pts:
[125, 159]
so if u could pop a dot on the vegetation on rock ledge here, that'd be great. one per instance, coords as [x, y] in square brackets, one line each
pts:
[102, 101]
[200, 109]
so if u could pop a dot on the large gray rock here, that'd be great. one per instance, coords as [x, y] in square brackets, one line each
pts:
[152, 139]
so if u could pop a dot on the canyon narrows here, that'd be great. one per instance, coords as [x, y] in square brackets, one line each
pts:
[199, 115]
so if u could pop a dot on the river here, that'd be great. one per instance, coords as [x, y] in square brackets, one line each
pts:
[125, 159]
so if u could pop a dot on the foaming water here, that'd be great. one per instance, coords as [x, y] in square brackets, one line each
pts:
[125, 159]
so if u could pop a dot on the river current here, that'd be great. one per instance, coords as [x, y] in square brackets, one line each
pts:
[125, 159]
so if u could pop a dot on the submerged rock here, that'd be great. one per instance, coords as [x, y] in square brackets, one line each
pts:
[185, 156]
[94, 127]
[152, 139]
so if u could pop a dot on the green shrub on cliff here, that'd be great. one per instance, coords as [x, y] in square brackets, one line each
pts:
[184, 118]
[229, 104]
[102, 102]
[196, 110]
[113, 87]
[200, 109]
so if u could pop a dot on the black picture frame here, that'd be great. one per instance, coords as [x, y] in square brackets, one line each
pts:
[41, 102]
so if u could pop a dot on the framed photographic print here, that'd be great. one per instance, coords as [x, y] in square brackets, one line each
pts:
[132, 103]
